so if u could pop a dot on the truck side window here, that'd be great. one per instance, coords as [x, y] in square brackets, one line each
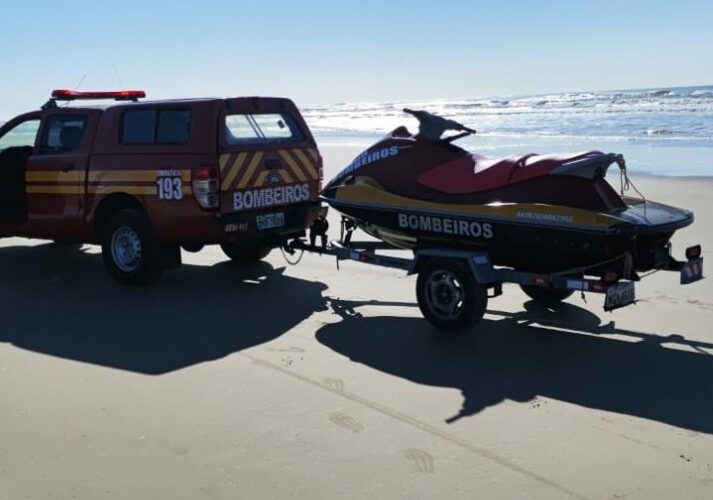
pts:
[21, 135]
[174, 126]
[63, 133]
[156, 126]
[139, 127]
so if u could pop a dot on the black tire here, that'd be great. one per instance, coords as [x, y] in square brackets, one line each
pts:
[448, 295]
[546, 296]
[245, 252]
[130, 248]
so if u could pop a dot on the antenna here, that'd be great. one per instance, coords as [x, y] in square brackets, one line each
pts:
[118, 77]
[81, 81]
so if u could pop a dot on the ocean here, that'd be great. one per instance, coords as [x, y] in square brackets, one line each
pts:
[664, 131]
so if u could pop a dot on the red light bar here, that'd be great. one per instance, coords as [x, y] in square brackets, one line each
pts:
[118, 95]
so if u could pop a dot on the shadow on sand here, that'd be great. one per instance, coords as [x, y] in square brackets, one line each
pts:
[60, 301]
[521, 356]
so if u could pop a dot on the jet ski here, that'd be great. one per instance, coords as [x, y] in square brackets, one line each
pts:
[536, 213]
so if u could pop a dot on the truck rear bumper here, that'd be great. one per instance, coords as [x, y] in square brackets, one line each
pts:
[273, 225]
[270, 224]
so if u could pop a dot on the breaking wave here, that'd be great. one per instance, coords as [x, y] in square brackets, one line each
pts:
[683, 114]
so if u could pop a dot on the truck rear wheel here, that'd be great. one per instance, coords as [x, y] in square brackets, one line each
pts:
[130, 248]
[245, 252]
[546, 296]
[448, 295]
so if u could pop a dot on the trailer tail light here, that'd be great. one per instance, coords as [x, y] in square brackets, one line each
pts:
[693, 252]
[205, 187]
[320, 168]
[610, 277]
[540, 281]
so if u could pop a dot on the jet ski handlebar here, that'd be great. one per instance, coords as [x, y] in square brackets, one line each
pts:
[433, 126]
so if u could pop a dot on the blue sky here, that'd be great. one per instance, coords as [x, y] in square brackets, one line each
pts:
[335, 51]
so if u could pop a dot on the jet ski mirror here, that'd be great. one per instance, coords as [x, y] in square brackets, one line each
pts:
[433, 126]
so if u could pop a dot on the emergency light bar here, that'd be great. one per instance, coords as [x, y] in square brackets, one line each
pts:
[117, 95]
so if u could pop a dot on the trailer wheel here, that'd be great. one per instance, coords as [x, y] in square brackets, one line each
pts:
[448, 295]
[130, 248]
[546, 296]
[245, 252]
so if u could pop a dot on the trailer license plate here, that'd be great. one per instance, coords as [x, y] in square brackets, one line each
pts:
[692, 271]
[619, 295]
[270, 221]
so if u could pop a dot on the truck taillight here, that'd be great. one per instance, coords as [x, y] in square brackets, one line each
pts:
[205, 187]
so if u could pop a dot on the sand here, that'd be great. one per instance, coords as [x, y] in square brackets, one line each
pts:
[309, 382]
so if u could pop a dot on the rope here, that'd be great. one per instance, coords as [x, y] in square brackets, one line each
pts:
[628, 265]
[624, 180]
[292, 262]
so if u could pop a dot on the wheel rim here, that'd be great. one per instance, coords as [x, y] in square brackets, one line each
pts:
[445, 296]
[126, 249]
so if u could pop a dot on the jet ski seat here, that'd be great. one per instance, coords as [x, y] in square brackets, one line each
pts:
[475, 173]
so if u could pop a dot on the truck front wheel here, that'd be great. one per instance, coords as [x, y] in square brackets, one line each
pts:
[130, 248]
[245, 252]
[448, 295]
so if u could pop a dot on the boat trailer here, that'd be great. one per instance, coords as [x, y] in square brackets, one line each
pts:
[454, 285]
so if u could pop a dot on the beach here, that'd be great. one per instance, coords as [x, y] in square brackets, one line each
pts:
[310, 381]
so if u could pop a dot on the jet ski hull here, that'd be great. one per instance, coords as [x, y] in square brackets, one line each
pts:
[534, 238]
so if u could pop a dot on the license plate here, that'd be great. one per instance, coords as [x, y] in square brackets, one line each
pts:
[692, 271]
[619, 295]
[270, 221]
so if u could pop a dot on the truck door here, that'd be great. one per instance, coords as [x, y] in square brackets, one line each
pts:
[17, 142]
[56, 174]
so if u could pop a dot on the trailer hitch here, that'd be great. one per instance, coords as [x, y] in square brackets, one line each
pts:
[319, 229]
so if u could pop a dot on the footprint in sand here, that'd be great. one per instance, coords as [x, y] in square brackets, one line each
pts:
[335, 384]
[420, 460]
[346, 422]
[287, 349]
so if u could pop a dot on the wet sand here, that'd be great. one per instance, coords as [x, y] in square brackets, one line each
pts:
[309, 382]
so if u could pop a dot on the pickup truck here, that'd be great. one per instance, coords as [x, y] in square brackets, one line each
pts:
[145, 179]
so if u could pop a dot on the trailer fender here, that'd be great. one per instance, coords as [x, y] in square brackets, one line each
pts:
[478, 262]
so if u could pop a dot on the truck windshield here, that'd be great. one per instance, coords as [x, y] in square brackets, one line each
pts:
[261, 128]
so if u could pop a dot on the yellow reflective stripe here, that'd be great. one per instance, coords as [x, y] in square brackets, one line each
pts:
[313, 153]
[251, 170]
[307, 164]
[140, 190]
[261, 179]
[223, 161]
[237, 165]
[52, 189]
[51, 176]
[286, 176]
[295, 168]
[131, 175]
